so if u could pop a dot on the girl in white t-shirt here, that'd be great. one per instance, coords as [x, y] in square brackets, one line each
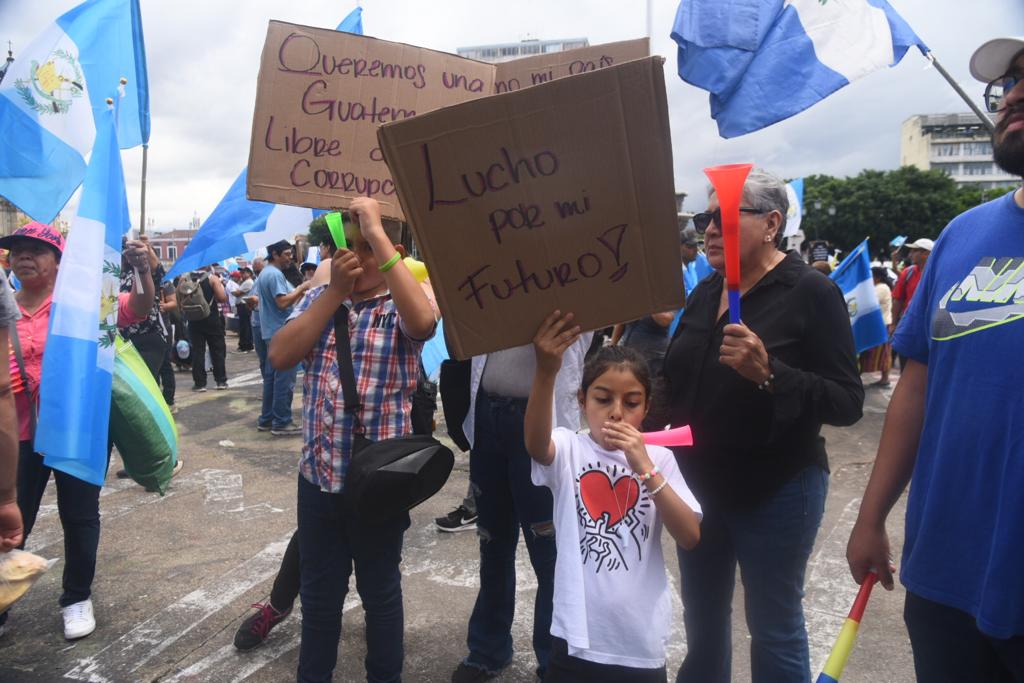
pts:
[612, 494]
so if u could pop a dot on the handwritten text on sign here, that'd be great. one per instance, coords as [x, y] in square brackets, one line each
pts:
[322, 94]
[558, 196]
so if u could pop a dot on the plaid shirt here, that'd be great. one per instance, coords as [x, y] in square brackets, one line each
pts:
[386, 362]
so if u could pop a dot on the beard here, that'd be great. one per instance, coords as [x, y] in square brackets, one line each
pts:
[1008, 148]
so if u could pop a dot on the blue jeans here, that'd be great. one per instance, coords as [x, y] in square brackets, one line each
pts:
[330, 543]
[772, 543]
[260, 346]
[278, 389]
[507, 501]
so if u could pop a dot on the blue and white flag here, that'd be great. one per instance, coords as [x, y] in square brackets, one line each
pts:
[795, 215]
[766, 60]
[54, 93]
[78, 365]
[854, 277]
[240, 226]
[313, 255]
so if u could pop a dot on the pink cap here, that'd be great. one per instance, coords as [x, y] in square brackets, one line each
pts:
[36, 231]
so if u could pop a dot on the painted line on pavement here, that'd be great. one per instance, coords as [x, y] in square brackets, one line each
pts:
[122, 658]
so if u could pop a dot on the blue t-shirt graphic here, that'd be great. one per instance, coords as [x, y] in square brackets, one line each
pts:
[965, 512]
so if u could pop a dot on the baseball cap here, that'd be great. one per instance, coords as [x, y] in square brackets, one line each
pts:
[688, 236]
[35, 231]
[992, 59]
[923, 243]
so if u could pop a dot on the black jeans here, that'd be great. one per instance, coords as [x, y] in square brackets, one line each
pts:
[78, 504]
[203, 332]
[286, 584]
[244, 327]
[948, 647]
[564, 668]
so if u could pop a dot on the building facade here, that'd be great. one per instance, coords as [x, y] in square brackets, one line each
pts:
[503, 52]
[957, 144]
[170, 244]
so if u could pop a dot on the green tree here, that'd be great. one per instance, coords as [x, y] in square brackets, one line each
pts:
[883, 204]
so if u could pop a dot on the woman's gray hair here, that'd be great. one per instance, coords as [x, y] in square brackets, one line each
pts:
[765, 192]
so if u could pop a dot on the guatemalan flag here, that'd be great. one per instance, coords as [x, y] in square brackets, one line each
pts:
[240, 226]
[795, 215]
[766, 60]
[854, 277]
[53, 95]
[78, 365]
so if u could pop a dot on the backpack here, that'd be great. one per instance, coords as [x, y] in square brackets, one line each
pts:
[192, 303]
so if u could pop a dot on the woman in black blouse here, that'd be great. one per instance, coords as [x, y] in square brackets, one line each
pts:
[756, 395]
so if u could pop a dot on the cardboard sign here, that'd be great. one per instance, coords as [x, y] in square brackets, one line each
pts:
[555, 196]
[523, 73]
[322, 94]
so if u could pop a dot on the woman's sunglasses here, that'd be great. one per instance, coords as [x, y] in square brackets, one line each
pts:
[701, 221]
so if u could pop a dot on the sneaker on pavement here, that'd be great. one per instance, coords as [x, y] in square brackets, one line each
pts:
[122, 474]
[221, 386]
[262, 428]
[467, 673]
[459, 519]
[196, 387]
[78, 620]
[287, 430]
[177, 467]
[254, 630]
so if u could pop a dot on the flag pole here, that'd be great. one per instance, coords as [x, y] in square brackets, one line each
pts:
[960, 91]
[142, 217]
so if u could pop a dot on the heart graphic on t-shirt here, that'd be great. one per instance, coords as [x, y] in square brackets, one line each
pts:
[600, 496]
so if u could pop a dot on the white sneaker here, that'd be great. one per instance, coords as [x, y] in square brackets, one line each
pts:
[78, 620]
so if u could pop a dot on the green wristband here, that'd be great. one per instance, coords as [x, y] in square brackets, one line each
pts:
[385, 267]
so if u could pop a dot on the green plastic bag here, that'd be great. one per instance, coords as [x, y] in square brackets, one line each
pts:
[141, 425]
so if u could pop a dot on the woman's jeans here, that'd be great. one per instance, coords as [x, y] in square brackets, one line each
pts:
[507, 502]
[331, 541]
[772, 543]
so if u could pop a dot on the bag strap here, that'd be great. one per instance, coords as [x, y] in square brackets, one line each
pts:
[346, 371]
[16, 342]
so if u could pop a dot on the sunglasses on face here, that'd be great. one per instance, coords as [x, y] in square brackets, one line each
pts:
[997, 89]
[701, 221]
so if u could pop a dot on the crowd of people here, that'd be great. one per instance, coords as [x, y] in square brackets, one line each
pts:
[557, 457]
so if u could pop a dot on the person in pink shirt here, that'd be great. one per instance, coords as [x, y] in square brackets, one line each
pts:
[35, 253]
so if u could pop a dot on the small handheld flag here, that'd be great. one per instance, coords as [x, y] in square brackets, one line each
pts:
[728, 182]
[848, 635]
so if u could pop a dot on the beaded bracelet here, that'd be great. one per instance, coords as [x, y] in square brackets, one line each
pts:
[765, 385]
[648, 475]
[658, 489]
[390, 263]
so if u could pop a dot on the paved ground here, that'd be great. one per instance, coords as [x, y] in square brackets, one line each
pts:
[176, 574]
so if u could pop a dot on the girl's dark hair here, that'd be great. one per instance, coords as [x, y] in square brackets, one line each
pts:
[608, 357]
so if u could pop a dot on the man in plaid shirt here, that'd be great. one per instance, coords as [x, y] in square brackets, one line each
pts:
[390, 317]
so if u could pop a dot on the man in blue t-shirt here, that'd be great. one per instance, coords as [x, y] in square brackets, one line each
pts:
[276, 298]
[955, 427]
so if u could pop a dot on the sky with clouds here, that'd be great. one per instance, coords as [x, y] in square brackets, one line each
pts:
[204, 58]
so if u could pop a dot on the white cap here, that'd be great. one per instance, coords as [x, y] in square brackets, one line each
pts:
[923, 243]
[992, 60]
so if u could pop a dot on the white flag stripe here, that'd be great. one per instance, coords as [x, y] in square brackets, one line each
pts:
[850, 37]
[74, 127]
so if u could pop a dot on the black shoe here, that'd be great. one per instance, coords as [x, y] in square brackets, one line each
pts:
[122, 474]
[459, 519]
[254, 630]
[290, 429]
[221, 386]
[196, 387]
[467, 673]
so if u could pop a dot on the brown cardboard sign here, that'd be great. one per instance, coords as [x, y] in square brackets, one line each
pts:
[558, 196]
[322, 94]
[527, 71]
[320, 97]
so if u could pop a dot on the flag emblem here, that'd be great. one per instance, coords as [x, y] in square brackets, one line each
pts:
[52, 87]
